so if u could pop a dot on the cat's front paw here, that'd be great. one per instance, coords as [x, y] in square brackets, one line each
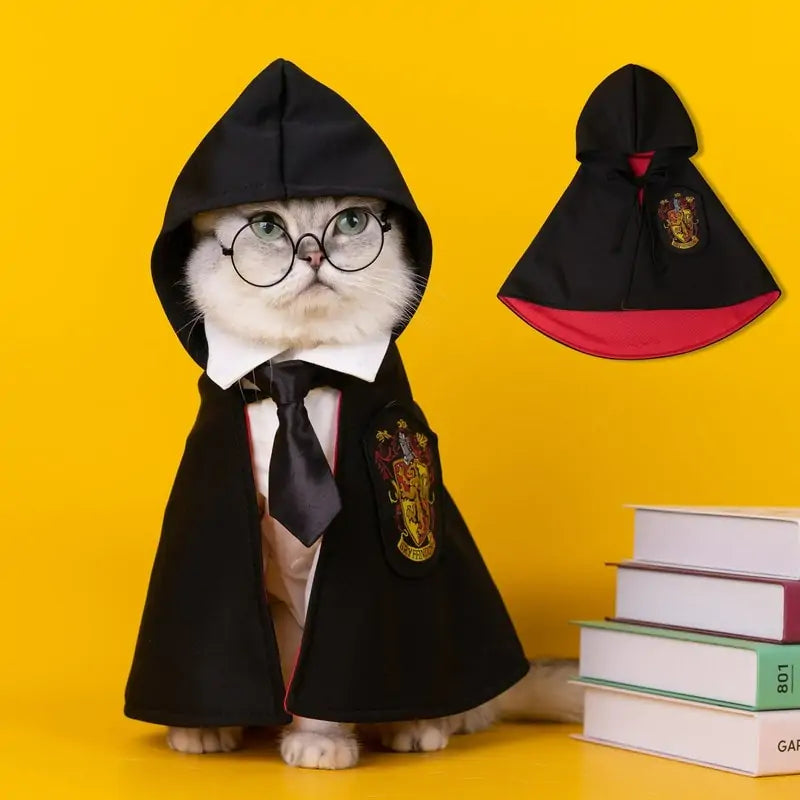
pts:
[422, 736]
[205, 740]
[318, 750]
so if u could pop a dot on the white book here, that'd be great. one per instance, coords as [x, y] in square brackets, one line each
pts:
[755, 541]
[753, 608]
[747, 742]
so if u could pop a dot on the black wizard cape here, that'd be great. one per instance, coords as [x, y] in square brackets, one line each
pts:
[404, 620]
[639, 258]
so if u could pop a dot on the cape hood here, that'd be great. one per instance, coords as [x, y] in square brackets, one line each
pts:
[286, 135]
[634, 111]
[639, 258]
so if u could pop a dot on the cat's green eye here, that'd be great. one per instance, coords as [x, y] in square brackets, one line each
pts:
[267, 227]
[351, 221]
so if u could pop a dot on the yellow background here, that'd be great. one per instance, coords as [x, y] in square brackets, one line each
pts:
[101, 104]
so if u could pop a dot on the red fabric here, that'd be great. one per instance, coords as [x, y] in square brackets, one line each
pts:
[640, 334]
[336, 442]
[333, 469]
[639, 163]
[250, 443]
[289, 682]
[252, 461]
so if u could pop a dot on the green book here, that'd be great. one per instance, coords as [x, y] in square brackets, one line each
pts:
[737, 673]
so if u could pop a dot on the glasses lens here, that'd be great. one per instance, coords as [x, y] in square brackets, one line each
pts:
[262, 253]
[353, 239]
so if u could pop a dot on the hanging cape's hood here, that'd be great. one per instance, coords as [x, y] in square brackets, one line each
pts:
[287, 135]
[634, 111]
[639, 258]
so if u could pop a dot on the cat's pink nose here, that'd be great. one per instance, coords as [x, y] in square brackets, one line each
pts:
[314, 258]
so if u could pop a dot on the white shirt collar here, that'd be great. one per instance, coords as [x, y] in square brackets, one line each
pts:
[231, 358]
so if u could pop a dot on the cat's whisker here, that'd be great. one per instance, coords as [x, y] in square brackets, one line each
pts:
[191, 330]
[193, 321]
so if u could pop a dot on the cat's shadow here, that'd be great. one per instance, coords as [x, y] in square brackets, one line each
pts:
[261, 744]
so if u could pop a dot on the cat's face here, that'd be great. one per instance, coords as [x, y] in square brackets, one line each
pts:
[315, 302]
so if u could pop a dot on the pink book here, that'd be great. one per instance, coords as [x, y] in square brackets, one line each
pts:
[732, 739]
[744, 606]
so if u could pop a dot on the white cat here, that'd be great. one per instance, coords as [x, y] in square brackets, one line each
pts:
[317, 304]
[310, 306]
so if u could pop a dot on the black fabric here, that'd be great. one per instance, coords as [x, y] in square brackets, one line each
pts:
[634, 111]
[599, 250]
[302, 492]
[432, 644]
[384, 639]
[206, 653]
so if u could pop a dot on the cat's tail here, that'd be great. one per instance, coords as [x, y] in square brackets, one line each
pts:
[545, 693]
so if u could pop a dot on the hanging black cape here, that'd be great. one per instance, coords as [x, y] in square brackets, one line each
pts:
[404, 620]
[639, 258]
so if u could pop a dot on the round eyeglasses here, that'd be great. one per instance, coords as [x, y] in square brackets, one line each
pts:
[262, 251]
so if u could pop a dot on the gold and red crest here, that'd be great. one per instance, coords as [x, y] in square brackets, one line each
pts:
[679, 217]
[405, 459]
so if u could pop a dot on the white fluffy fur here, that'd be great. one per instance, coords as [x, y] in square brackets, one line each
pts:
[315, 744]
[341, 308]
[306, 308]
[204, 740]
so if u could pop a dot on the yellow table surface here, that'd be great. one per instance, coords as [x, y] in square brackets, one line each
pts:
[478, 101]
[70, 748]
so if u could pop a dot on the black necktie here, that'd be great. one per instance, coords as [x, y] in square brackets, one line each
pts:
[302, 491]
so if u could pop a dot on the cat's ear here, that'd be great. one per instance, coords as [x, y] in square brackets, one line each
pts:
[399, 219]
[403, 228]
[205, 223]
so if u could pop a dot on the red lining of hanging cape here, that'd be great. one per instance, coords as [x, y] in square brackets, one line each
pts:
[639, 163]
[638, 333]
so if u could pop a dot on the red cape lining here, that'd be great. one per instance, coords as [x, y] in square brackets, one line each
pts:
[637, 333]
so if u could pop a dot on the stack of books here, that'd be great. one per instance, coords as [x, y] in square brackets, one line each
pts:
[701, 661]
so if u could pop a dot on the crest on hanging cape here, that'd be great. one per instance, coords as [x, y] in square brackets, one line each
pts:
[681, 221]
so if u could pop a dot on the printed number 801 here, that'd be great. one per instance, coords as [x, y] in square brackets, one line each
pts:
[785, 678]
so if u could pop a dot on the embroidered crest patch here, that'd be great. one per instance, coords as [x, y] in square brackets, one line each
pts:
[404, 463]
[680, 220]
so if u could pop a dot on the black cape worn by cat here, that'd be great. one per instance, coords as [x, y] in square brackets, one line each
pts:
[639, 258]
[404, 620]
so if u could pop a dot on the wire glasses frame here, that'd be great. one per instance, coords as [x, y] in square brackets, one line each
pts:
[353, 253]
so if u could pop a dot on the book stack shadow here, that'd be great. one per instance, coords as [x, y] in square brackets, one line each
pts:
[701, 661]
